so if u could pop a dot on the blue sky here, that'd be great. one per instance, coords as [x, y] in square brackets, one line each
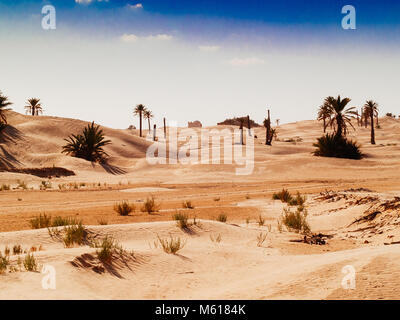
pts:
[187, 59]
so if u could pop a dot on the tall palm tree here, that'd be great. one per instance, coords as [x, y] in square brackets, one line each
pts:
[34, 106]
[147, 114]
[324, 113]
[138, 111]
[4, 103]
[341, 116]
[371, 110]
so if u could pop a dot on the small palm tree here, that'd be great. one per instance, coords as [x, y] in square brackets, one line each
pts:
[147, 114]
[88, 145]
[324, 113]
[33, 106]
[371, 110]
[138, 111]
[341, 116]
[4, 103]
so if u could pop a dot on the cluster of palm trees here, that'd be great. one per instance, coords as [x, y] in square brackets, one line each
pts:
[142, 112]
[335, 114]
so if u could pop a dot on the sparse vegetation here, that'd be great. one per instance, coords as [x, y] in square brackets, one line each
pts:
[124, 208]
[187, 204]
[222, 217]
[171, 245]
[74, 234]
[5, 187]
[150, 205]
[216, 239]
[4, 262]
[261, 237]
[17, 249]
[30, 263]
[181, 220]
[296, 221]
[64, 221]
[45, 185]
[43, 221]
[283, 195]
[261, 220]
[102, 222]
[299, 200]
[107, 248]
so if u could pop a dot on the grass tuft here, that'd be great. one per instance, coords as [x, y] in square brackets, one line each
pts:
[222, 217]
[124, 208]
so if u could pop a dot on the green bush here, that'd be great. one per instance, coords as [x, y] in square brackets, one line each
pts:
[296, 221]
[335, 146]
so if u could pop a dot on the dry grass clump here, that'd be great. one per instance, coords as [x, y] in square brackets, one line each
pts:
[261, 237]
[187, 204]
[171, 245]
[30, 263]
[4, 262]
[108, 249]
[261, 220]
[299, 200]
[124, 208]
[222, 217]
[5, 187]
[150, 205]
[102, 222]
[74, 234]
[181, 220]
[216, 239]
[64, 221]
[42, 221]
[283, 195]
[17, 249]
[296, 221]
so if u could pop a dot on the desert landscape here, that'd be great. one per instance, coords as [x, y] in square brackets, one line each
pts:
[198, 231]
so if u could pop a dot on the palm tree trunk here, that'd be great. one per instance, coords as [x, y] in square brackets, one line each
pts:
[149, 125]
[324, 125]
[33, 111]
[372, 129]
[140, 116]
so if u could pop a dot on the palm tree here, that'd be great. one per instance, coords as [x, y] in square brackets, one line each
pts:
[341, 116]
[4, 103]
[138, 111]
[34, 107]
[88, 145]
[324, 113]
[147, 114]
[371, 110]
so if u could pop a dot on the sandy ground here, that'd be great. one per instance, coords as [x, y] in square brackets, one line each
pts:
[234, 268]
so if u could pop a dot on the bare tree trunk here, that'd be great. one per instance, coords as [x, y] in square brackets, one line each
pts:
[248, 125]
[372, 129]
[241, 134]
[140, 116]
[154, 133]
[165, 130]
[268, 138]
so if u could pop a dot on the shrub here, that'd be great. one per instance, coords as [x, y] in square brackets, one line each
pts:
[123, 208]
[299, 200]
[332, 145]
[296, 221]
[283, 195]
[150, 205]
[187, 204]
[45, 185]
[261, 220]
[88, 145]
[181, 220]
[30, 263]
[5, 187]
[4, 262]
[17, 249]
[41, 222]
[107, 248]
[222, 217]
[171, 245]
[74, 234]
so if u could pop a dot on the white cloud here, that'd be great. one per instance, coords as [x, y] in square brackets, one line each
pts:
[133, 38]
[209, 48]
[238, 62]
[89, 1]
[135, 6]
[129, 38]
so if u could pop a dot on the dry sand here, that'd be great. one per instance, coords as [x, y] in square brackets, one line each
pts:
[234, 268]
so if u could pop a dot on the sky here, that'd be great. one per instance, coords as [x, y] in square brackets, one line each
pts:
[204, 60]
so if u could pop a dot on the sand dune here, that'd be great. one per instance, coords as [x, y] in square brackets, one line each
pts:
[360, 211]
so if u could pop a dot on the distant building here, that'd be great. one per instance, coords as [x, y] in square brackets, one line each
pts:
[195, 124]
